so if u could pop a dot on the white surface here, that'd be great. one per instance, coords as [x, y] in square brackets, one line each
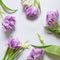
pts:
[27, 30]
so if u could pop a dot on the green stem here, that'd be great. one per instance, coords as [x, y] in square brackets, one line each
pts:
[17, 52]
[23, 0]
[11, 52]
[57, 32]
[50, 29]
[6, 8]
[38, 3]
[34, 2]
[59, 26]
[2, 14]
[14, 55]
[6, 53]
[53, 30]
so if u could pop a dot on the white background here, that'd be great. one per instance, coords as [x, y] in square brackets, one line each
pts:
[27, 30]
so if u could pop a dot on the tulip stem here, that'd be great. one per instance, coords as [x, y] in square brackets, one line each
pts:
[2, 14]
[11, 52]
[6, 53]
[53, 30]
[14, 55]
[7, 9]
[17, 52]
[34, 2]
[38, 3]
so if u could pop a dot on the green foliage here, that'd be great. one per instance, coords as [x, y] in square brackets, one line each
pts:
[7, 9]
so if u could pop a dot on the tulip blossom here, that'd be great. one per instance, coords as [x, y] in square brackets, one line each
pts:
[9, 23]
[36, 54]
[52, 22]
[31, 8]
[32, 11]
[14, 43]
[14, 48]
[52, 18]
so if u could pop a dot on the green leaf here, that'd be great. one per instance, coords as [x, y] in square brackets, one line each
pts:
[53, 30]
[57, 32]
[41, 46]
[40, 38]
[6, 8]
[53, 49]
[50, 29]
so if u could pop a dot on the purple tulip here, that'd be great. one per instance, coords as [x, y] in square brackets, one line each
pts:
[32, 11]
[14, 43]
[9, 23]
[36, 54]
[31, 8]
[52, 18]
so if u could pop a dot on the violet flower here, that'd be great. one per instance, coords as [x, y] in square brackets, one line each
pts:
[52, 18]
[52, 22]
[36, 54]
[32, 11]
[31, 8]
[14, 43]
[9, 23]
[15, 47]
